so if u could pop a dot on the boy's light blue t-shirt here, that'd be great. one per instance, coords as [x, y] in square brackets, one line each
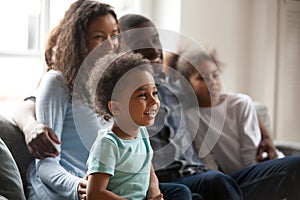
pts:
[127, 161]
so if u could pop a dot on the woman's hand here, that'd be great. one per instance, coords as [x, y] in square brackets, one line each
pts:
[39, 140]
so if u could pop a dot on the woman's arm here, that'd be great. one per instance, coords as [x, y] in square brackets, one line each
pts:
[97, 187]
[38, 137]
[52, 101]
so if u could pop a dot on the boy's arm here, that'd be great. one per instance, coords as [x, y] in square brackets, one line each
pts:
[266, 144]
[97, 187]
[154, 191]
[38, 137]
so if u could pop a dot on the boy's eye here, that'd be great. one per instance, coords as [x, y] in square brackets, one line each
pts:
[142, 95]
[155, 93]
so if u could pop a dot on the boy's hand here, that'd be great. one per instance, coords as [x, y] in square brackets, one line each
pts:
[158, 197]
[82, 188]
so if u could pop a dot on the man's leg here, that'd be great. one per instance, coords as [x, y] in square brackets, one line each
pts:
[174, 191]
[273, 179]
[213, 185]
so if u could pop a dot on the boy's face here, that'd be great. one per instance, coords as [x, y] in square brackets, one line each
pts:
[206, 84]
[139, 103]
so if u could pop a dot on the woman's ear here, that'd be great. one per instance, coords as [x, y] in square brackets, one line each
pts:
[114, 107]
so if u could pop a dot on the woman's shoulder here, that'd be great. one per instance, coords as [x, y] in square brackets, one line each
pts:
[53, 80]
[53, 76]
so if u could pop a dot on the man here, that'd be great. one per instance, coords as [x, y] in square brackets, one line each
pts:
[274, 179]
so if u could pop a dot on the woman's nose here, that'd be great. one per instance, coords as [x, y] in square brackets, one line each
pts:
[110, 45]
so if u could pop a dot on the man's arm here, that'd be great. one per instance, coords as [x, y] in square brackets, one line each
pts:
[38, 137]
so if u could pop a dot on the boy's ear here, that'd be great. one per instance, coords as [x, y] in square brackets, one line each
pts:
[114, 107]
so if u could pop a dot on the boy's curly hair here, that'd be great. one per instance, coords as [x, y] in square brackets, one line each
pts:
[106, 73]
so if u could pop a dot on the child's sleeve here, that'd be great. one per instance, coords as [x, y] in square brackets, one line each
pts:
[249, 132]
[102, 157]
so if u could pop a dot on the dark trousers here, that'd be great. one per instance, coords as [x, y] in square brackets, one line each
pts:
[274, 179]
[212, 185]
[174, 191]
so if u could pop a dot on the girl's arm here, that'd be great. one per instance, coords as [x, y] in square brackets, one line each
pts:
[266, 144]
[39, 138]
[96, 187]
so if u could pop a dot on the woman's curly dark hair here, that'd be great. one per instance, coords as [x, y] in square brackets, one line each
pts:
[105, 75]
[66, 47]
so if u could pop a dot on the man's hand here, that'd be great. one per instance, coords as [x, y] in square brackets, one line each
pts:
[82, 188]
[39, 140]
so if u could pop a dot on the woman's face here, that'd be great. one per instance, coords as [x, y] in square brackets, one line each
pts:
[103, 28]
[206, 84]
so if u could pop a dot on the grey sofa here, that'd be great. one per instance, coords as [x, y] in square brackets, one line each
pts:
[14, 140]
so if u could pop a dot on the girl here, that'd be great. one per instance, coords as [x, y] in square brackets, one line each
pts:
[119, 163]
[228, 124]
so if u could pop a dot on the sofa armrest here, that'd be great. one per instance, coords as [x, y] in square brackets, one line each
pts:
[289, 148]
[14, 140]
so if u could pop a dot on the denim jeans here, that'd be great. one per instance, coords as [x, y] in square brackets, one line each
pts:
[274, 179]
[173, 191]
[212, 185]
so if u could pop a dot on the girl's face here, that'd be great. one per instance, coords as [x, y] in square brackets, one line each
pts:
[206, 84]
[103, 28]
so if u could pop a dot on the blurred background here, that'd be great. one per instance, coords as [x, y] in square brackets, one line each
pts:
[257, 40]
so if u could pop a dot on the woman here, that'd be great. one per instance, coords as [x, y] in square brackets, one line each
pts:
[85, 25]
[59, 172]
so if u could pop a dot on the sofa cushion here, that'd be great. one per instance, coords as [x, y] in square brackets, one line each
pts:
[14, 140]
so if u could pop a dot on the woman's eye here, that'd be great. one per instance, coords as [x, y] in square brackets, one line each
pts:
[98, 37]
